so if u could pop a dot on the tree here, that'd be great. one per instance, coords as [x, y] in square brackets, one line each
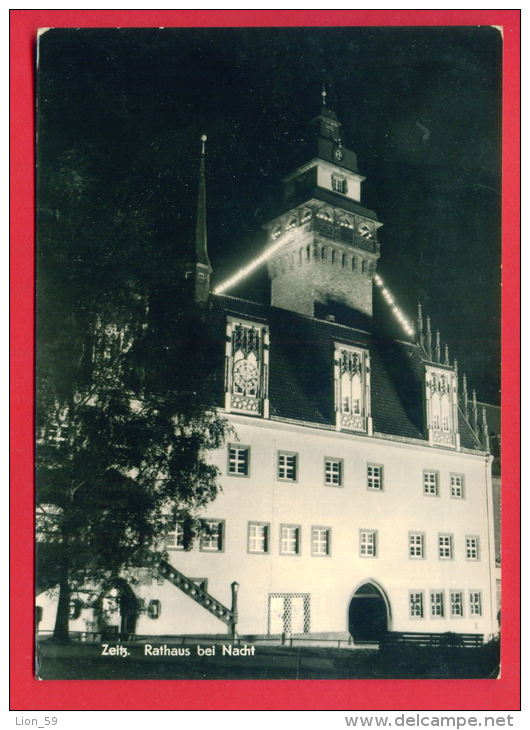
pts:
[124, 374]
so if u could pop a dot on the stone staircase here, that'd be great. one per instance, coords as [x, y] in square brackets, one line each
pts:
[191, 589]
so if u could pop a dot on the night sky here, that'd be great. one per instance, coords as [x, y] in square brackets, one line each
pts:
[420, 107]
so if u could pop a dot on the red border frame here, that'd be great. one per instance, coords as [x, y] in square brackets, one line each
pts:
[30, 694]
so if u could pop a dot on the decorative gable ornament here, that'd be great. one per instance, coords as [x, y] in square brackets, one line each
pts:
[441, 406]
[352, 389]
[246, 368]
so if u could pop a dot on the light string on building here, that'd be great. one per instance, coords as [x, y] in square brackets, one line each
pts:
[249, 268]
[396, 311]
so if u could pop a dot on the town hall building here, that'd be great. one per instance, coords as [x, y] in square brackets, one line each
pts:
[356, 486]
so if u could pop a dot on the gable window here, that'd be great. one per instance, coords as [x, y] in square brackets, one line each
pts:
[457, 486]
[339, 184]
[287, 469]
[175, 539]
[416, 545]
[437, 604]
[238, 460]
[368, 543]
[472, 552]
[441, 406]
[352, 388]
[445, 547]
[457, 604]
[430, 483]
[258, 537]
[290, 540]
[416, 604]
[246, 371]
[320, 541]
[475, 603]
[212, 539]
[333, 472]
[375, 477]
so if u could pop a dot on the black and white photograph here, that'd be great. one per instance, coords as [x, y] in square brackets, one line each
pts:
[268, 353]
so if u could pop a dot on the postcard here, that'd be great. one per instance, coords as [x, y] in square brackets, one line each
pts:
[268, 354]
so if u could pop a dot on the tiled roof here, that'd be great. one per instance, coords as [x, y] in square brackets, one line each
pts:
[301, 368]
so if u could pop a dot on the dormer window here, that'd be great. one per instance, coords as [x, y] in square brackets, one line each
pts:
[247, 357]
[339, 184]
[352, 389]
[441, 406]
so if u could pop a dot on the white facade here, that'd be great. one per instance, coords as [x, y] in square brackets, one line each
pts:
[393, 512]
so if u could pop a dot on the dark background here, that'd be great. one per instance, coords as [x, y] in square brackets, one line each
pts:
[420, 106]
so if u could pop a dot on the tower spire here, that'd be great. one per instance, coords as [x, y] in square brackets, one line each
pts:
[199, 271]
[201, 237]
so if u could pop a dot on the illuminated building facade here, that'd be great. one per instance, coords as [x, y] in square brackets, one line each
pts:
[356, 491]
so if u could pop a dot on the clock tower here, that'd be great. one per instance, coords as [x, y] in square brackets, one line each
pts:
[330, 249]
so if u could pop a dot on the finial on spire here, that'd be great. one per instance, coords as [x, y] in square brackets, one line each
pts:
[474, 412]
[203, 143]
[455, 366]
[464, 395]
[428, 338]
[446, 355]
[323, 93]
[485, 432]
[437, 347]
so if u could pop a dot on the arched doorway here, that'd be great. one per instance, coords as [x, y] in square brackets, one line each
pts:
[117, 610]
[368, 613]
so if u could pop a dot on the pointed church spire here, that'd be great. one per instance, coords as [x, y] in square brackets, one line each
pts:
[201, 238]
[199, 271]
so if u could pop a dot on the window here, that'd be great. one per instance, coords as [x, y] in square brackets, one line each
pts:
[457, 604]
[368, 543]
[352, 388]
[238, 460]
[290, 540]
[416, 604]
[416, 545]
[247, 352]
[475, 603]
[457, 486]
[339, 184]
[445, 547]
[375, 476]
[320, 541]
[437, 604]
[333, 472]
[430, 483]
[287, 466]
[472, 552]
[175, 539]
[212, 539]
[258, 537]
